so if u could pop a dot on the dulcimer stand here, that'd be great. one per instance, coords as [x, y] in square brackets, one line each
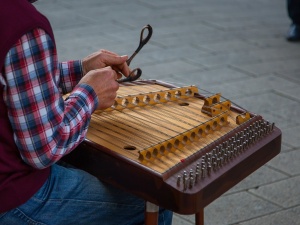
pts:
[151, 215]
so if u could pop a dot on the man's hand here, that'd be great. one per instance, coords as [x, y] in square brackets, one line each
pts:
[104, 83]
[104, 58]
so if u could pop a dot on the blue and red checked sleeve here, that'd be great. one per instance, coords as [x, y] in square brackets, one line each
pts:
[46, 127]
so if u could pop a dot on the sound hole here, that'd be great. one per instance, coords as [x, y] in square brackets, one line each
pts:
[193, 136]
[184, 104]
[146, 99]
[115, 104]
[188, 92]
[148, 155]
[215, 100]
[129, 147]
[157, 98]
[162, 149]
[200, 132]
[215, 125]
[168, 96]
[169, 146]
[125, 102]
[185, 139]
[135, 101]
[178, 94]
[222, 120]
[207, 129]
[176, 143]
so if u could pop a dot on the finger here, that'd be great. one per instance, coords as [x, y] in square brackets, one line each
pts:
[111, 60]
[119, 75]
[115, 74]
[109, 52]
[123, 68]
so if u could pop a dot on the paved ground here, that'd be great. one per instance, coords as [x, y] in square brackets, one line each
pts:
[235, 47]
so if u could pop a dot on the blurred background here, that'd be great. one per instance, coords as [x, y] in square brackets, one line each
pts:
[235, 47]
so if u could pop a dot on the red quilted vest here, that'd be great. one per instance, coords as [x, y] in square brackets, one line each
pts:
[18, 181]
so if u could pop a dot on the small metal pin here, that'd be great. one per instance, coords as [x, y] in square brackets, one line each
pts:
[208, 170]
[215, 166]
[196, 177]
[272, 126]
[203, 175]
[225, 158]
[191, 173]
[178, 180]
[214, 151]
[191, 182]
[185, 183]
[197, 168]
[221, 161]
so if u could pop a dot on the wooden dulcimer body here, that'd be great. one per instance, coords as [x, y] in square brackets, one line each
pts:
[173, 146]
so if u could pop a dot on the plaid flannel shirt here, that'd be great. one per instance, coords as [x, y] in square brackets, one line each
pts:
[46, 127]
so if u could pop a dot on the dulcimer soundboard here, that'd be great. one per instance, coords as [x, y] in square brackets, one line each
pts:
[174, 146]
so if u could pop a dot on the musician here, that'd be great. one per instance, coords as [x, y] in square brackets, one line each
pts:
[293, 9]
[38, 127]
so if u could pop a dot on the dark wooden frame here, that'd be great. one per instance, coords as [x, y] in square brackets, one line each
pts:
[159, 189]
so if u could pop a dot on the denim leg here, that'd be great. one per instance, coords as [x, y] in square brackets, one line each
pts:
[72, 196]
[293, 8]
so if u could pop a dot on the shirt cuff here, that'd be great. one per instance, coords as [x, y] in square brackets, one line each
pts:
[86, 95]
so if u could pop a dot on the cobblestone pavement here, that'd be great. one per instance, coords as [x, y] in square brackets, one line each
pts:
[235, 47]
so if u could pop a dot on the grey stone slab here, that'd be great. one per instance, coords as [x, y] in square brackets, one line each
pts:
[237, 207]
[274, 66]
[97, 30]
[293, 92]
[61, 17]
[196, 38]
[132, 13]
[150, 55]
[285, 217]
[227, 90]
[230, 46]
[291, 75]
[269, 42]
[166, 68]
[285, 193]
[75, 47]
[280, 122]
[260, 102]
[287, 162]
[217, 76]
[259, 32]
[260, 177]
[181, 220]
[291, 136]
[223, 59]
[248, 57]
[263, 84]
[286, 116]
[237, 24]
[286, 148]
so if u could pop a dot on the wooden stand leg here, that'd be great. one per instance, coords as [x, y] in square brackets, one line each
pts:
[199, 216]
[151, 214]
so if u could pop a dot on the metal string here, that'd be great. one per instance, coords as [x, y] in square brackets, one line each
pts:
[159, 116]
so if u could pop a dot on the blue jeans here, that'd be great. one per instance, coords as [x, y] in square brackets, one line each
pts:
[293, 8]
[72, 196]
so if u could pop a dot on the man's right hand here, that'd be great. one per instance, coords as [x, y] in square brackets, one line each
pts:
[104, 83]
